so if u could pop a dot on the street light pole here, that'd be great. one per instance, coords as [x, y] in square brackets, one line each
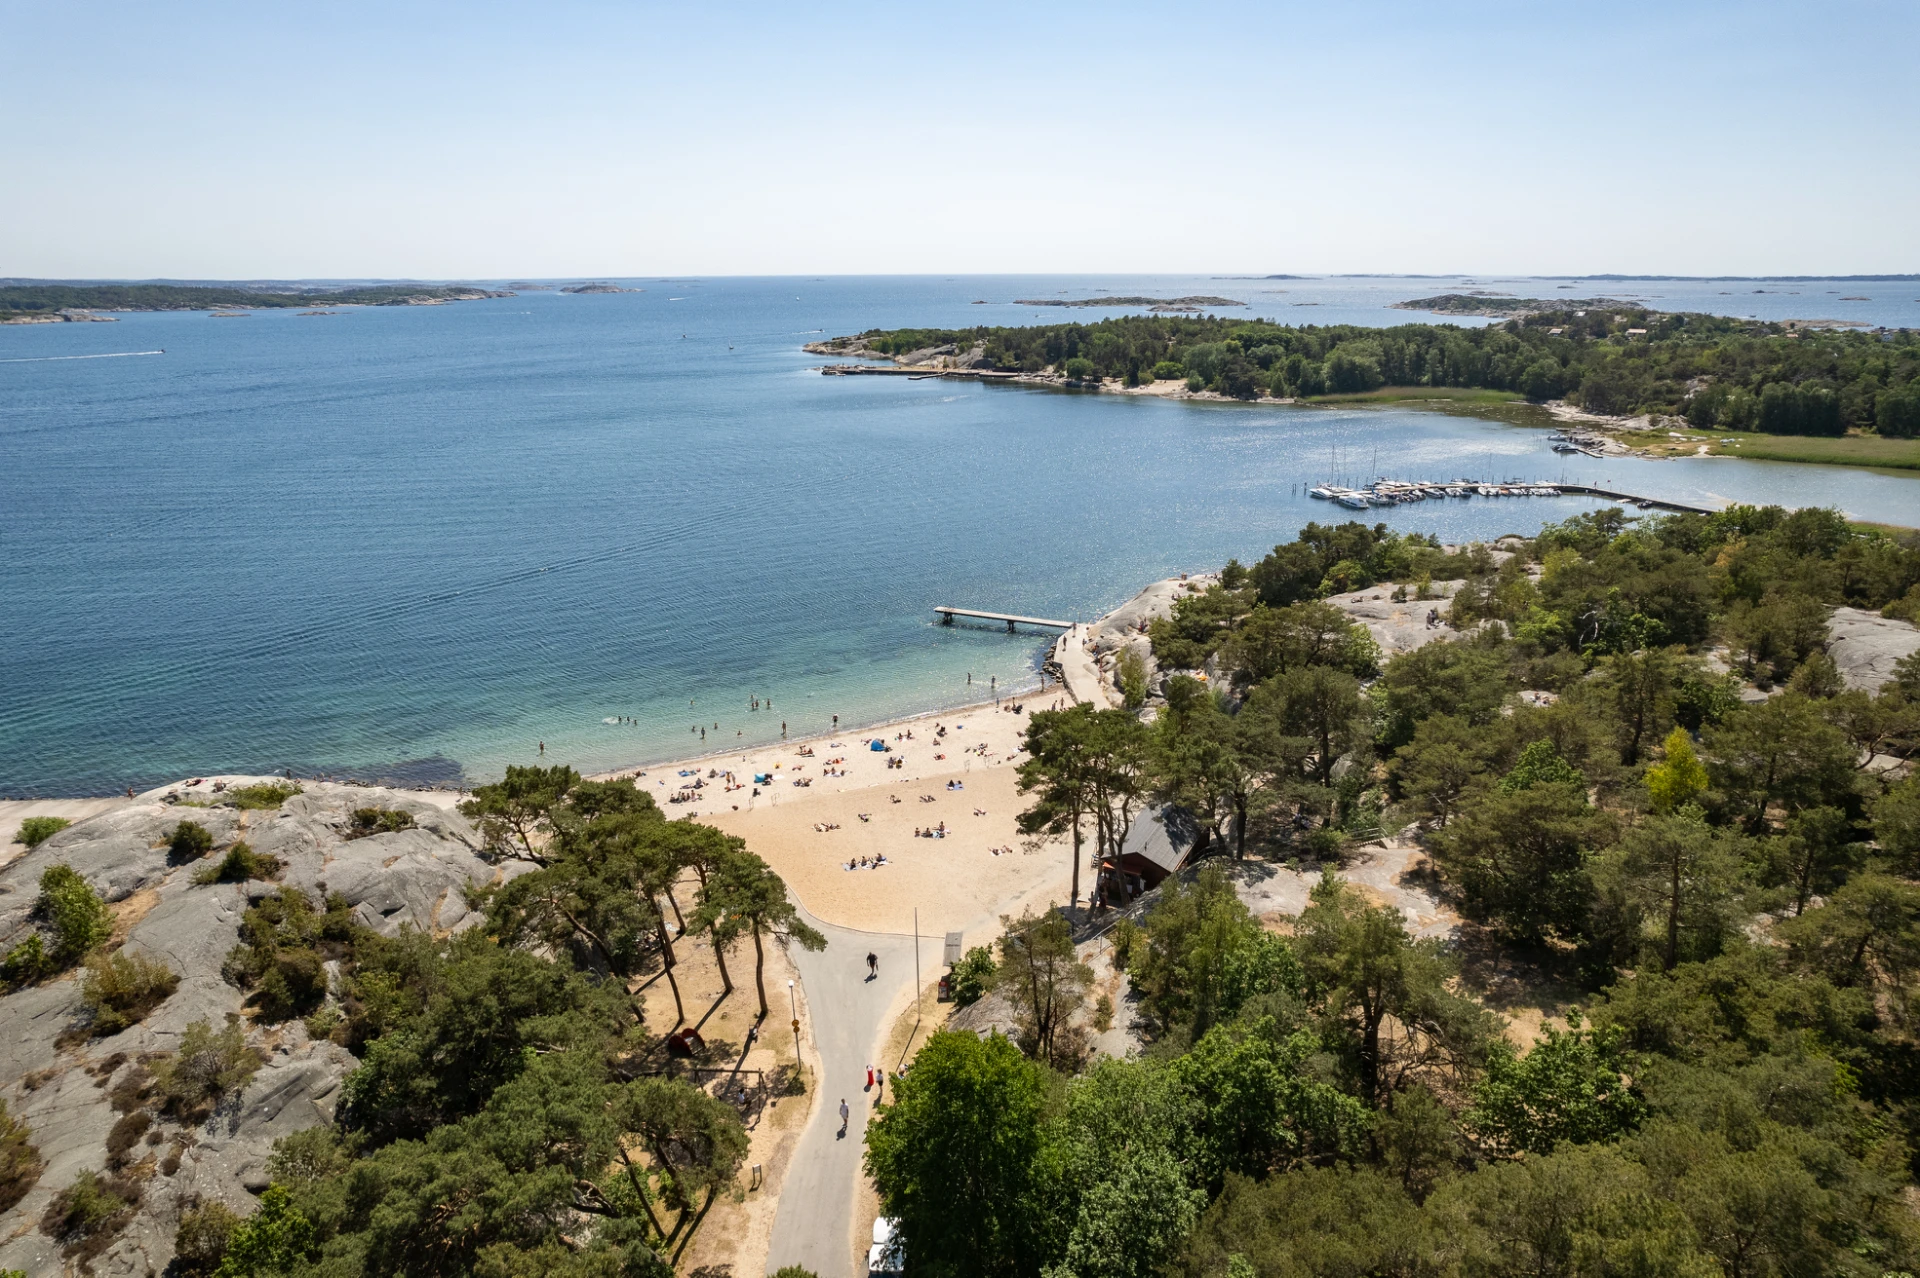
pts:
[916, 965]
[793, 1003]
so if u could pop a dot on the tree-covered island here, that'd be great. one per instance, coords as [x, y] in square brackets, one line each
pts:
[1607, 357]
[30, 302]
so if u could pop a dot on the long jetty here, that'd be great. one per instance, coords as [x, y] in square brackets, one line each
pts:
[947, 615]
[1651, 503]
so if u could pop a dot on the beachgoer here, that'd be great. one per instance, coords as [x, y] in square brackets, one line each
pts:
[543, 747]
[844, 1112]
[869, 1078]
[873, 964]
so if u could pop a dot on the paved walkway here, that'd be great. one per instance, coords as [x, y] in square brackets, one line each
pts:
[813, 1227]
[1079, 671]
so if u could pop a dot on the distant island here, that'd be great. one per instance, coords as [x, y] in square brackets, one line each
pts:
[599, 288]
[1500, 306]
[1162, 304]
[1603, 357]
[52, 303]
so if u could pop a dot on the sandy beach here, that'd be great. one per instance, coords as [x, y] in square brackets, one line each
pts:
[806, 821]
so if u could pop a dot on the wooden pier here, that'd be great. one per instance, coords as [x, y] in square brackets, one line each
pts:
[1651, 503]
[948, 614]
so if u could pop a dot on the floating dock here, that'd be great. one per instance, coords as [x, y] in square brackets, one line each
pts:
[948, 614]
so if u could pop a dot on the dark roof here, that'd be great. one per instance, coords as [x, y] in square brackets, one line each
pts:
[1163, 836]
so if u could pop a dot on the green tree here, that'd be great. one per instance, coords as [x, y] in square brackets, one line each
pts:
[1043, 977]
[1205, 957]
[1335, 1222]
[515, 813]
[1671, 886]
[1813, 856]
[1257, 1106]
[1582, 1210]
[1440, 766]
[1779, 751]
[274, 1240]
[1058, 772]
[1112, 1152]
[955, 1159]
[1571, 1087]
[1520, 859]
[1867, 934]
[1382, 994]
[744, 891]
[1323, 706]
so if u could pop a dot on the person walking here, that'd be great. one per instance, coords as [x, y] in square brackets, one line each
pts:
[873, 963]
[844, 1113]
[869, 1078]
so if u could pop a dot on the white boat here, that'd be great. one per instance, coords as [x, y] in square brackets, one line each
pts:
[1353, 501]
[1323, 492]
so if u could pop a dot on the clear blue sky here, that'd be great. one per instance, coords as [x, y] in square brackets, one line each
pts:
[486, 140]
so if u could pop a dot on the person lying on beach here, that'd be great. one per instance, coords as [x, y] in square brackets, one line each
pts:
[864, 816]
[979, 811]
[893, 798]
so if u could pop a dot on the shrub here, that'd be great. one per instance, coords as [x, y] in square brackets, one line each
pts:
[210, 1064]
[1080, 368]
[1132, 673]
[125, 1137]
[200, 1244]
[262, 797]
[973, 976]
[295, 984]
[285, 943]
[80, 919]
[84, 1217]
[20, 1162]
[368, 821]
[189, 842]
[121, 989]
[37, 830]
[25, 963]
[1169, 370]
[240, 864]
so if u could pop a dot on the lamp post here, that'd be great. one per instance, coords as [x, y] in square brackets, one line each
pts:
[793, 1003]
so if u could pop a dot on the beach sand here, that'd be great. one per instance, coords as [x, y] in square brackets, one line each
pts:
[958, 882]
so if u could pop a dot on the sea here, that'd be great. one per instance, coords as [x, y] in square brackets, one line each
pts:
[417, 544]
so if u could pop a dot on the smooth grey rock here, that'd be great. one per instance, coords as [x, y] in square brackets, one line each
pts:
[1866, 646]
[411, 878]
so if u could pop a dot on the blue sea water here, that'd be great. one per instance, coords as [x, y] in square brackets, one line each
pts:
[416, 542]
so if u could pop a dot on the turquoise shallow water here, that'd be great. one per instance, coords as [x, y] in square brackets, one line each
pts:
[415, 542]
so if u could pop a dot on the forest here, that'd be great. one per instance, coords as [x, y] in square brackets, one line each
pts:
[1716, 372]
[1673, 1032]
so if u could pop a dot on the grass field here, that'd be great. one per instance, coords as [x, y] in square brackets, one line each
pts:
[1848, 450]
[1494, 405]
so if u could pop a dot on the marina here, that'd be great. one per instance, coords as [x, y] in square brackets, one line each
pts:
[1398, 492]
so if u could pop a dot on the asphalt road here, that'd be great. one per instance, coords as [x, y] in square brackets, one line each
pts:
[813, 1225]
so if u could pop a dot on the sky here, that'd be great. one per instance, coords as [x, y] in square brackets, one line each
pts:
[497, 141]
